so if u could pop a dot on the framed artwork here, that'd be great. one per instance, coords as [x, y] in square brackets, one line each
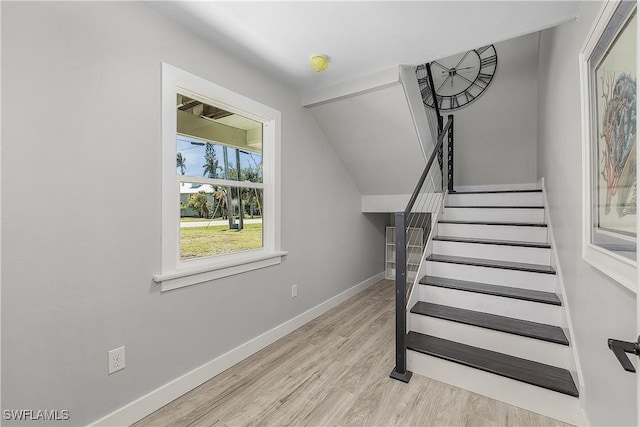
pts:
[608, 65]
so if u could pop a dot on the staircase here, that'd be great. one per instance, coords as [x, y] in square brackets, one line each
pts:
[488, 318]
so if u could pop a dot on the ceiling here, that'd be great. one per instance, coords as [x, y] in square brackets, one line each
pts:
[360, 37]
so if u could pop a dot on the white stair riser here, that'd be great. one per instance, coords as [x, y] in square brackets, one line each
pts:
[498, 187]
[496, 276]
[496, 252]
[509, 307]
[495, 232]
[532, 398]
[494, 214]
[501, 342]
[496, 199]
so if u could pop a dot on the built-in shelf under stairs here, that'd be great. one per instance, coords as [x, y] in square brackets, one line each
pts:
[489, 317]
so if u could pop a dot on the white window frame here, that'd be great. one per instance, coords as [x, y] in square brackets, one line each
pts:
[177, 273]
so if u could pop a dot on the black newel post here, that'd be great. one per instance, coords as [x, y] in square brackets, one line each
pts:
[400, 371]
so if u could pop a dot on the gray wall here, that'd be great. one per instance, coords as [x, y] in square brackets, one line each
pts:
[374, 136]
[495, 136]
[81, 129]
[600, 307]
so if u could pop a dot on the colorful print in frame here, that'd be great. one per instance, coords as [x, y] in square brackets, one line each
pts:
[613, 70]
[608, 83]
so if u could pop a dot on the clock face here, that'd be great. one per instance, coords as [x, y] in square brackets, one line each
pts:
[459, 79]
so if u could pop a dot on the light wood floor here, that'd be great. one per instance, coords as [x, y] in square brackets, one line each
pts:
[335, 371]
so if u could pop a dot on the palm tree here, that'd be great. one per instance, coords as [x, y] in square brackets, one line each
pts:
[211, 162]
[181, 162]
[221, 196]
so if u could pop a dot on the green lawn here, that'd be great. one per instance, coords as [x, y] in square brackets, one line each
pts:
[206, 241]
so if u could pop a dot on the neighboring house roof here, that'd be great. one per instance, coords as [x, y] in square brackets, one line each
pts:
[192, 188]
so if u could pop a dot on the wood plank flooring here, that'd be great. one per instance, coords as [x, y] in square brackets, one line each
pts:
[335, 371]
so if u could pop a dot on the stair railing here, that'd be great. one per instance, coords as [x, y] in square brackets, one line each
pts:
[426, 199]
[429, 99]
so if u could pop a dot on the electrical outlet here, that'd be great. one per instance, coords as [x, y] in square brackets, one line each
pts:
[116, 360]
[294, 290]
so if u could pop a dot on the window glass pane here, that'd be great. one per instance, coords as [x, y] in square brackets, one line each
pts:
[250, 166]
[215, 143]
[217, 220]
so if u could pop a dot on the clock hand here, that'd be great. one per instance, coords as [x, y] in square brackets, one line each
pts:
[442, 84]
[473, 83]
[463, 77]
[460, 62]
[440, 65]
[457, 70]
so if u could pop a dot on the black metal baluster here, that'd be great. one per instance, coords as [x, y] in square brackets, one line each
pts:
[450, 156]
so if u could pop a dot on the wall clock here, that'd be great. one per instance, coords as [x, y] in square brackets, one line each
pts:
[462, 78]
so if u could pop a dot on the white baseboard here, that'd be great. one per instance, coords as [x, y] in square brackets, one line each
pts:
[161, 396]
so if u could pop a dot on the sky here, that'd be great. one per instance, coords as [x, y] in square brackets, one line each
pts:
[193, 150]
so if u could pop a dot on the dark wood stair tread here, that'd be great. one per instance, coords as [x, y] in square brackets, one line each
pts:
[493, 242]
[514, 224]
[527, 371]
[496, 191]
[525, 328]
[507, 265]
[496, 290]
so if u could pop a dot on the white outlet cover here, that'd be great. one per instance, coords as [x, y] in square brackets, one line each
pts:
[294, 290]
[117, 359]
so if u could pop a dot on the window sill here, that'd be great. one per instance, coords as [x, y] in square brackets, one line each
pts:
[180, 279]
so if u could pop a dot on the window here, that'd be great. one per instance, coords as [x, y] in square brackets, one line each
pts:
[220, 182]
[219, 167]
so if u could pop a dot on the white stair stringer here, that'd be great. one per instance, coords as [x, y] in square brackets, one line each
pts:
[542, 401]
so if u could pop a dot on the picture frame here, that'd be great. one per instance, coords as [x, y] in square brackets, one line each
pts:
[608, 77]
